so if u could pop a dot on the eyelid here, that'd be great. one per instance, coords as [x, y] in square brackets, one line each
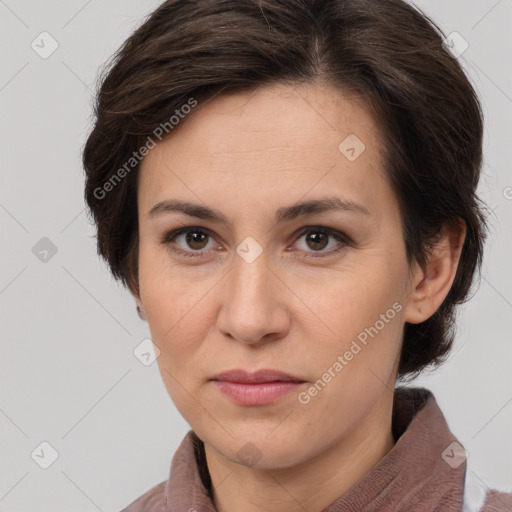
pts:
[343, 239]
[168, 236]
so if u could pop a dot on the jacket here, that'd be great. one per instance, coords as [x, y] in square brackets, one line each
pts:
[425, 471]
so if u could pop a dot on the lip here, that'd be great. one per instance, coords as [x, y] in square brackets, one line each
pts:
[261, 387]
[256, 377]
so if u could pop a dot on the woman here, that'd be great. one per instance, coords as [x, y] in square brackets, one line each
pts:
[288, 189]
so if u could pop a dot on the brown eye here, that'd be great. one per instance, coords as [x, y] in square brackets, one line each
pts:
[314, 240]
[196, 239]
[189, 241]
[317, 240]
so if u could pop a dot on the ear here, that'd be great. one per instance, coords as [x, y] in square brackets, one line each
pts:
[430, 284]
[141, 312]
[133, 287]
[140, 308]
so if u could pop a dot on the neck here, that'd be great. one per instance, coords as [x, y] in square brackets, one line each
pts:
[311, 485]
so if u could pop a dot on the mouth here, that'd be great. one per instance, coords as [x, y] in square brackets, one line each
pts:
[262, 387]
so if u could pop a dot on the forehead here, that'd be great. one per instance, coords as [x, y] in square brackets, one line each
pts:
[274, 139]
[292, 114]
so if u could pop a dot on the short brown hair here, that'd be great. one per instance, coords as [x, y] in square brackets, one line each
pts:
[387, 51]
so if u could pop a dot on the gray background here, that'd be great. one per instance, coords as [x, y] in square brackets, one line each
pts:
[68, 373]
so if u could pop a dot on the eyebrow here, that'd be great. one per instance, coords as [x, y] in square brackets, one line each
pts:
[284, 214]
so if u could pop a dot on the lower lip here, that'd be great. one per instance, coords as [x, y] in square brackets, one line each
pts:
[256, 394]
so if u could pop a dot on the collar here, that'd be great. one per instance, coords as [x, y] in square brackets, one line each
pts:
[424, 469]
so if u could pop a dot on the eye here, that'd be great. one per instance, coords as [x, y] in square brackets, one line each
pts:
[196, 241]
[318, 238]
[189, 241]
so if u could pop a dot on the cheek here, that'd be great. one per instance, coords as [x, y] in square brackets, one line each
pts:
[165, 292]
[354, 298]
[178, 316]
[355, 363]
[176, 309]
[360, 313]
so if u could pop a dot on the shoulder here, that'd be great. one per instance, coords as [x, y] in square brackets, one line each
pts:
[151, 501]
[497, 501]
[480, 498]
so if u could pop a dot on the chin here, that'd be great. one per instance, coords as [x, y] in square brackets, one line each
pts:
[259, 449]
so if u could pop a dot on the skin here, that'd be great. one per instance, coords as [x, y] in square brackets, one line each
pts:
[247, 155]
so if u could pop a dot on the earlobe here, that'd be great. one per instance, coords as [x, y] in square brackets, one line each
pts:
[414, 306]
[134, 290]
[141, 313]
[431, 284]
[140, 309]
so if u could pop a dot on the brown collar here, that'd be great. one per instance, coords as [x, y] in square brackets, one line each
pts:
[420, 472]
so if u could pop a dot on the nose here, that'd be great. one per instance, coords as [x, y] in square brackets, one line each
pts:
[253, 308]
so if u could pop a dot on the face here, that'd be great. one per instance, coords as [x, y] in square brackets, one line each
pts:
[249, 282]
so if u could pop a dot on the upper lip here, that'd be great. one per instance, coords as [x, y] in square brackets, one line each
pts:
[258, 376]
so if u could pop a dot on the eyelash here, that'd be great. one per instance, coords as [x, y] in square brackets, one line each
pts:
[343, 239]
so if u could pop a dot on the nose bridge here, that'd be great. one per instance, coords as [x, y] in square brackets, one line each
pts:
[251, 308]
[251, 280]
